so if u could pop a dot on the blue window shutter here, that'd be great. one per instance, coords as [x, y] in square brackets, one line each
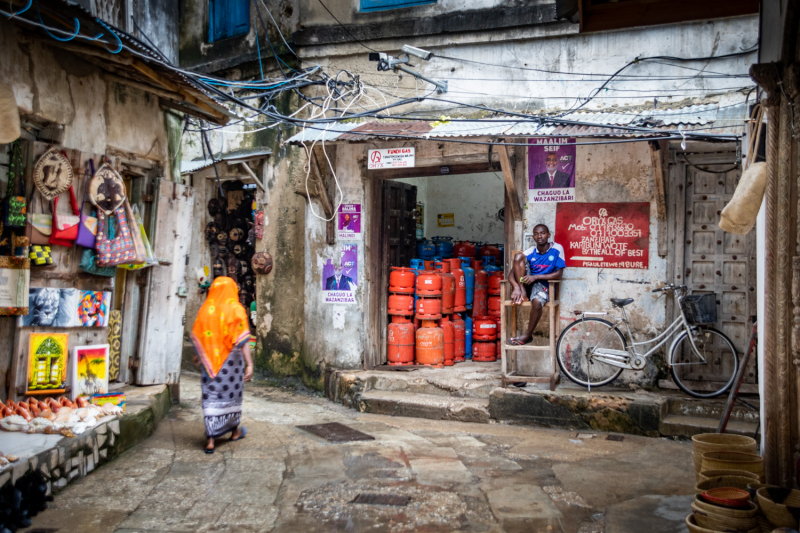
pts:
[380, 5]
[228, 18]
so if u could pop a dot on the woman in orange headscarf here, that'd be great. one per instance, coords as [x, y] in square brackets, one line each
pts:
[220, 336]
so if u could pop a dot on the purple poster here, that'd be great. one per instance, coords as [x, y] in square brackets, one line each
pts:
[340, 275]
[349, 221]
[551, 169]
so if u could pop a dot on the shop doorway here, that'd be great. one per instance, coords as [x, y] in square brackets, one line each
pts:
[457, 207]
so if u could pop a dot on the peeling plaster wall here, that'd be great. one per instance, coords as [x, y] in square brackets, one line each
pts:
[474, 199]
[56, 86]
[612, 173]
[336, 333]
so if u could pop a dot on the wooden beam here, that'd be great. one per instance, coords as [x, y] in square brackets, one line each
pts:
[656, 156]
[252, 174]
[323, 195]
[425, 172]
[511, 190]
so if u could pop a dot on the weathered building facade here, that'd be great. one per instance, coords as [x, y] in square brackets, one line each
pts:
[495, 56]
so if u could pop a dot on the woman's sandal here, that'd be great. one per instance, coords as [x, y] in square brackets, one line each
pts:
[240, 437]
[208, 450]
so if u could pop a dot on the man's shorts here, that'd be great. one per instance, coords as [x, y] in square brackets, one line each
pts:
[537, 291]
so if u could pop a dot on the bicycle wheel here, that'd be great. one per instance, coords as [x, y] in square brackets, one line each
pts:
[578, 340]
[710, 370]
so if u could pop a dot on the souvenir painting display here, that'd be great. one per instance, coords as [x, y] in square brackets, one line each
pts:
[47, 363]
[52, 174]
[228, 236]
[67, 308]
[90, 370]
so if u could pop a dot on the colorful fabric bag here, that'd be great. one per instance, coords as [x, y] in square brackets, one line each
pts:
[40, 225]
[15, 205]
[126, 247]
[87, 229]
[89, 258]
[65, 227]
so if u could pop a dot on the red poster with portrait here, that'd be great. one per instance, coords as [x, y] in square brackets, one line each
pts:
[604, 235]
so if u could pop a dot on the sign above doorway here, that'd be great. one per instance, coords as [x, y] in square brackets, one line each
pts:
[391, 158]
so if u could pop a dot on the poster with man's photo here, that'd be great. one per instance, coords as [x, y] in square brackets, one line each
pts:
[551, 169]
[340, 276]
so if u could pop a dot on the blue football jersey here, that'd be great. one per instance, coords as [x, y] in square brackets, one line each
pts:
[546, 263]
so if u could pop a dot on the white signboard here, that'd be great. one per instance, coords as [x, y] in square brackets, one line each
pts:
[390, 158]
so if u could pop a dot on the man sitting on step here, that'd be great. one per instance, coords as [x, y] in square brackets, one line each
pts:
[530, 272]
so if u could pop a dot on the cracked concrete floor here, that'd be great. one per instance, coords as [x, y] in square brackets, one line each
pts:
[458, 477]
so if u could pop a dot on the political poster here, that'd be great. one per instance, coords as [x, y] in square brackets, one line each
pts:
[551, 170]
[340, 276]
[349, 223]
[604, 235]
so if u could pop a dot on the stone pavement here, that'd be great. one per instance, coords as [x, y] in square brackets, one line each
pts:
[459, 477]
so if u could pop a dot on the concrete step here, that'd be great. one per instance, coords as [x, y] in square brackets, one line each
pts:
[694, 407]
[688, 426]
[430, 406]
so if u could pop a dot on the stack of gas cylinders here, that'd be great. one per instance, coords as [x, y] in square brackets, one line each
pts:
[452, 293]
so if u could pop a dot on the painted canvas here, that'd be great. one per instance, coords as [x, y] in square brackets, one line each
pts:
[47, 363]
[67, 308]
[90, 370]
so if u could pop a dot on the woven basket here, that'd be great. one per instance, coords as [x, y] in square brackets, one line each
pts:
[728, 497]
[722, 522]
[780, 514]
[708, 474]
[752, 488]
[694, 528]
[723, 481]
[764, 525]
[747, 512]
[719, 442]
[734, 461]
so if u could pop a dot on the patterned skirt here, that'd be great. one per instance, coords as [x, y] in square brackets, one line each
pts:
[222, 396]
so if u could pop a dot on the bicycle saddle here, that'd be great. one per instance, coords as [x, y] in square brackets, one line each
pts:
[621, 302]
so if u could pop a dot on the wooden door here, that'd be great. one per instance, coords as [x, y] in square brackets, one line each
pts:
[719, 262]
[162, 327]
[399, 223]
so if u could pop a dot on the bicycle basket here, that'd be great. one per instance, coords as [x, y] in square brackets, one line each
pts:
[700, 308]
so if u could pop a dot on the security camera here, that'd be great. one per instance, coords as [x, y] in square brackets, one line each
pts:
[378, 56]
[417, 52]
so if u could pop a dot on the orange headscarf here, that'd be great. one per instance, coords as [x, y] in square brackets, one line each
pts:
[220, 326]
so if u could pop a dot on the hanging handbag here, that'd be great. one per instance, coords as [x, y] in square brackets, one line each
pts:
[87, 229]
[127, 246]
[40, 225]
[89, 257]
[40, 255]
[65, 227]
[15, 196]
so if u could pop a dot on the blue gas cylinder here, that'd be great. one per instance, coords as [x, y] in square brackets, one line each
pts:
[491, 268]
[468, 336]
[444, 246]
[417, 265]
[469, 278]
[425, 249]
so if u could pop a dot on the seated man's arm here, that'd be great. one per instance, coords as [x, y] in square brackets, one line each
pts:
[518, 270]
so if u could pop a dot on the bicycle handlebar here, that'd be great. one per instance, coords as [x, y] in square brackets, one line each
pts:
[670, 287]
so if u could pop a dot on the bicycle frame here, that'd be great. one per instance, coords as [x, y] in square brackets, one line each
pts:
[624, 360]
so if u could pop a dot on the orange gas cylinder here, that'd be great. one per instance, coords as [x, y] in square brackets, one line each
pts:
[484, 352]
[400, 344]
[494, 306]
[448, 286]
[463, 249]
[429, 283]
[460, 304]
[429, 308]
[494, 283]
[449, 331]
[402, 280]
[484, 328]
[401, 304]
[461, 338]
[430, 344]
[480, 302]
[428, 264]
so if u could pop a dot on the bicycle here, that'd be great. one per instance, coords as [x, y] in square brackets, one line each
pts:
[593, 352]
